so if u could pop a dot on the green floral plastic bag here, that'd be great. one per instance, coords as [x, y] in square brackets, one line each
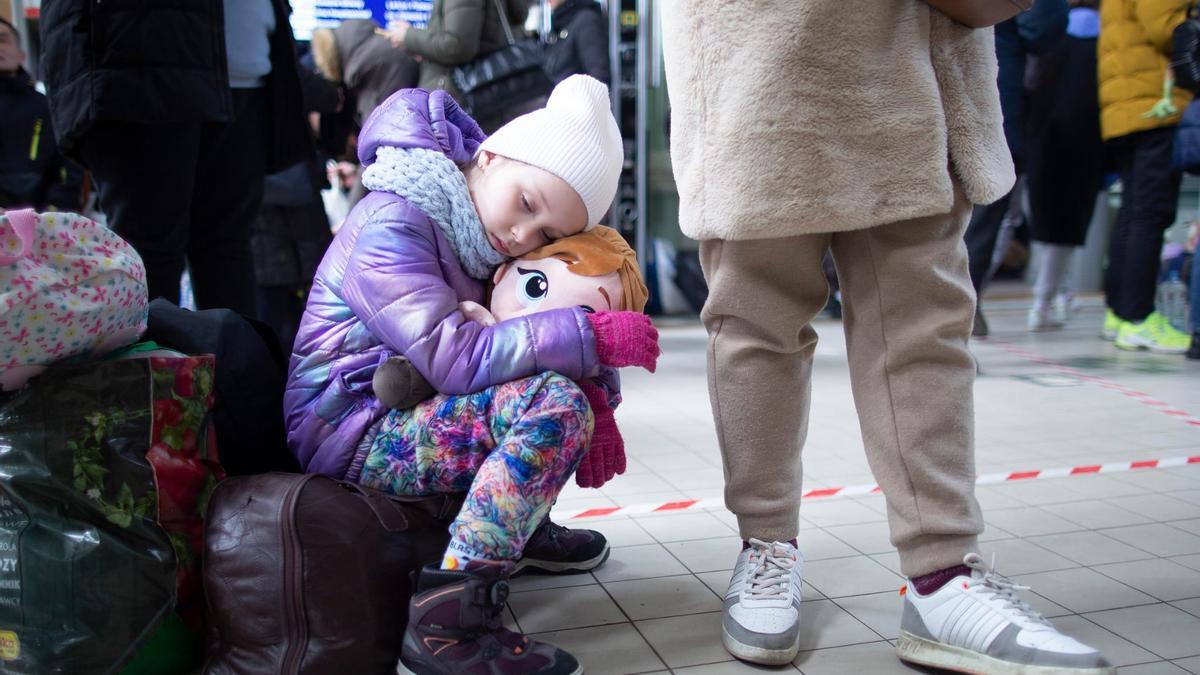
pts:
[104, 474]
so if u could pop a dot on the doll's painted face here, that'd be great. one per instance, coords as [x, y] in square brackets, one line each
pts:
[527, 286]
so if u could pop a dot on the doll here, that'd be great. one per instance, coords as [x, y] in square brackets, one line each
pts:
[596, 270]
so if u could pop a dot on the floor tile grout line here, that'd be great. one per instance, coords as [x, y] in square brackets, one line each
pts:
[633, 623]
[852, 614]
[1105, 628]
[1195, 613]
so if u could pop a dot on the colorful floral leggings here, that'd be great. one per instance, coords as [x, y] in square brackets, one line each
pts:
[511, 448]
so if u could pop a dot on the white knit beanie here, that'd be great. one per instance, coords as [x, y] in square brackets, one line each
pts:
[574, 137]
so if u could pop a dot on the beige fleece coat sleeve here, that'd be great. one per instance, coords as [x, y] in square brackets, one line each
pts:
[795, 117]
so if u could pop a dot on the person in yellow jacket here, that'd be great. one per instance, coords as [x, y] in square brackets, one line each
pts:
[1139, 109]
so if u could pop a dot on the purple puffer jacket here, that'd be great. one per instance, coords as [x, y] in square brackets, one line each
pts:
[390, 284]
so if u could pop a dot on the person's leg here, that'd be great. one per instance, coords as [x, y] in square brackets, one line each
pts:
[1053, 263]
[1194, 291]
[1119, 151]
[228, 192]
[909, 308]
[981, 235]
[762, 297]
[763, 294]
[1052, 272]
[511, 448]
[1153, 191]
[1014, 218]
[144, 175]
[281, 308]
[1193, 351]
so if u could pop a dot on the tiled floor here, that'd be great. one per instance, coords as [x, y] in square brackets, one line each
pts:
[1115, 558]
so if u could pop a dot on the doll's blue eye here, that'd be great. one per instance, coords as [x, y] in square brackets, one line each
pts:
[533, 287]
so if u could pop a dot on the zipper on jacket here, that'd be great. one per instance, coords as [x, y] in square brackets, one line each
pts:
[36, 141]
[293, 581]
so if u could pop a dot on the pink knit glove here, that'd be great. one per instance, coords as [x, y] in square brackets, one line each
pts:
[625, 339]
[605, 457]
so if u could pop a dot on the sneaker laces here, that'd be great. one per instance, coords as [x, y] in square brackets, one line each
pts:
[770, 571]
[1000, 586]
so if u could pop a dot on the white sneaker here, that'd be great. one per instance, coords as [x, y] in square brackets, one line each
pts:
[1040, 320]
[978, 624]
[761, 622]
[1065, 307]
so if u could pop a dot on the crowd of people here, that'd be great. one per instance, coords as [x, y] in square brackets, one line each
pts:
[1087, 91]
[183, 116]
[207, 134]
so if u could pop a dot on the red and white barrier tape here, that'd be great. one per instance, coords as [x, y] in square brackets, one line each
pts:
[861, 490]
[1141, 397]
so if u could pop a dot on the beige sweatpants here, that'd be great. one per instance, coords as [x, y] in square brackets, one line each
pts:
[908, 307]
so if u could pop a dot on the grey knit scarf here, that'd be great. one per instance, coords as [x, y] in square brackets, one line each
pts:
[433, 183]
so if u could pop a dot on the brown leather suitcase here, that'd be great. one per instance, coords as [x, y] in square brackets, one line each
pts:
[305, 574]
[980, 13]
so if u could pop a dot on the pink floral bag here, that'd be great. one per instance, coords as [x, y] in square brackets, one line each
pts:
[68, 287]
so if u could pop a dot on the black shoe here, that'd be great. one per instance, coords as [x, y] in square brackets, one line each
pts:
[554, 549]
[454, 627]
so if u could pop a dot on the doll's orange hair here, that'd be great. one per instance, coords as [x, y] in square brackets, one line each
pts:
[597, 252]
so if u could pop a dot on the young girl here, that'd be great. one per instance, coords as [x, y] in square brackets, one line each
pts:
[446, 207]
[595, 270]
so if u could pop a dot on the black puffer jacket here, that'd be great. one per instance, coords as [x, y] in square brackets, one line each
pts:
[158, 62]
[32, 171]
[578, 42]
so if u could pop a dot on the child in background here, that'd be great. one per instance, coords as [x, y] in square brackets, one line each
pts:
[446, 207]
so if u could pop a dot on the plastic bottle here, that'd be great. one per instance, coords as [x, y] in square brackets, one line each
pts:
[1173, 301]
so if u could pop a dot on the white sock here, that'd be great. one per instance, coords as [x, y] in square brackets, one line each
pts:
[458, 555]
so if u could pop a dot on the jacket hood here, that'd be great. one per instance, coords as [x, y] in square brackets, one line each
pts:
[415, 118]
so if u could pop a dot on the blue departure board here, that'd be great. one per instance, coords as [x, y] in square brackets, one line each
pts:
[308, 15]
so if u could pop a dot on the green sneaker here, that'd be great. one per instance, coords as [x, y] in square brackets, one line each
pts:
[1112, 326]
[1155, 333]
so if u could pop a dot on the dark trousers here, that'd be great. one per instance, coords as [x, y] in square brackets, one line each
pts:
[281, 308]
[187, 193]
[1149, 195]
[981, 236]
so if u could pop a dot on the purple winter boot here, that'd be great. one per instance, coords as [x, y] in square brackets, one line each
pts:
[454, 627]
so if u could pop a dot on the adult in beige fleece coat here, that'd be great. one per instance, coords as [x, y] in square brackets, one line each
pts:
[869, 127]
